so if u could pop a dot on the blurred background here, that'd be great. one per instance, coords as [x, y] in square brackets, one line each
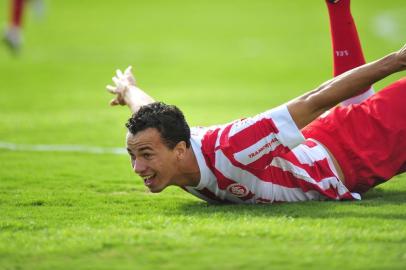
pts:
[217, 60]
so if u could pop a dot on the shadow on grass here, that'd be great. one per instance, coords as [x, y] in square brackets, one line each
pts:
[386, 196]
[377, 204]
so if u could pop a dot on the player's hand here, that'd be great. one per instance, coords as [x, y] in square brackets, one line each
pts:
[123, 82]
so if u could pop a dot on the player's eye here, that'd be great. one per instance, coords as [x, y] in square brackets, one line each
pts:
[147, 155]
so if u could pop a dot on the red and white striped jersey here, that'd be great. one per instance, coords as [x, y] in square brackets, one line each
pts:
[263, 159]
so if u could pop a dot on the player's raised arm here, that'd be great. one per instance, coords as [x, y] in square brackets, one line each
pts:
[127, 92]
[309, 106]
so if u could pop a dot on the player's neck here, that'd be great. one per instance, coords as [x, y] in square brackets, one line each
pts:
[190, 170]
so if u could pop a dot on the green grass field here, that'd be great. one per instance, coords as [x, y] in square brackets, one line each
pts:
[218, 61]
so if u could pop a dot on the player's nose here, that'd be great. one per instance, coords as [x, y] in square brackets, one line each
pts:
[139, 167]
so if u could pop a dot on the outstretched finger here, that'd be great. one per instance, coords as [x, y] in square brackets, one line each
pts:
[115, 80]
[118, 82]
[129, 75]
[128, 70]
[119, 73]
[111, 89]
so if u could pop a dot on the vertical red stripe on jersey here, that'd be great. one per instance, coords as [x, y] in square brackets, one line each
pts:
[209, 141]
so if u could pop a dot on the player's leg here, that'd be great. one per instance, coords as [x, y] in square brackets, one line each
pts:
[13, 32]
[16, 13]
[347, 51]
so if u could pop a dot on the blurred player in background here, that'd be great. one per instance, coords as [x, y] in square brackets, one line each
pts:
[12, 35]
[13, 32]
[298, 151]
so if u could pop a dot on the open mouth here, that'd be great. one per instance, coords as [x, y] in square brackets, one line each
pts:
[148, 179]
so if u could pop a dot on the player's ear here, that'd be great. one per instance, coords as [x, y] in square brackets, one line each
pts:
[180, 150]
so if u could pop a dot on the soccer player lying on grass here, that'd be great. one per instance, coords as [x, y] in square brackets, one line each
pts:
[289, 153]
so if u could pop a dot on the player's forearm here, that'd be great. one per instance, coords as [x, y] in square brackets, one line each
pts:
[353, 82]
[135, 98]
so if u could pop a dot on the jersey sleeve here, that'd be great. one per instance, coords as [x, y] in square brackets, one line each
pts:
[286, 130]
[261, 137]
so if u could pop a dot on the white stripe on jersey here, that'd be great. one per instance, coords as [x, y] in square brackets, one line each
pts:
[289, 134]
[307, 156]
[260, 148]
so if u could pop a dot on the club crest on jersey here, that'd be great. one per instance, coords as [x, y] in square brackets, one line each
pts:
[238, 190]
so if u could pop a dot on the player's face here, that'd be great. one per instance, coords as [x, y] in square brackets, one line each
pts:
[152, 160]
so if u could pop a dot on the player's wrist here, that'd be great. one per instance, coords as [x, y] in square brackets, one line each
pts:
[397, 62]
[401, 57]
[133, 97]
[129, 94]
[388, 65]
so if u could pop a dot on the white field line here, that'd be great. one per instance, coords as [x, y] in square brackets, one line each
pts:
[62, 148]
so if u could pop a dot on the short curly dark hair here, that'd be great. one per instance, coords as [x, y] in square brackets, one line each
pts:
[167, 119]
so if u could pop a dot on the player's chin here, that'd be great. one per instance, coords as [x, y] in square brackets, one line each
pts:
[157, 189]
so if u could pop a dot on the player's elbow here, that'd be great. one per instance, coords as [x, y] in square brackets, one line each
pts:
[304, 110]
[317, 105]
